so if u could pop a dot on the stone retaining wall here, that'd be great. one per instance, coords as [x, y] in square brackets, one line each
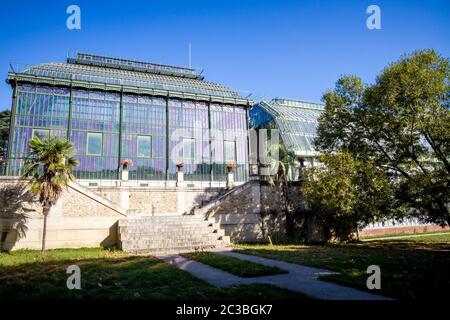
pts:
[80, 218]
[157, 200]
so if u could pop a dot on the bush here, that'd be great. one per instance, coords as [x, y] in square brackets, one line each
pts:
[346, 194]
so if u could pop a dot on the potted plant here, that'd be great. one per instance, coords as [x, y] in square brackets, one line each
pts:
[230, 175]
[231, 166]
[180, 166]
[180, 174]
[126, 164]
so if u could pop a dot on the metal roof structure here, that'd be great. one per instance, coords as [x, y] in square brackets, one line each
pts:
[296, 120]
[131, 76]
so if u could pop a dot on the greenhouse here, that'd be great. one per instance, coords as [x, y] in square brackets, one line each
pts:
[113, 109]
[296, 121]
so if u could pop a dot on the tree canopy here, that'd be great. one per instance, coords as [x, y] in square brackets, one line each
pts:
[400, 124]
[5, 117]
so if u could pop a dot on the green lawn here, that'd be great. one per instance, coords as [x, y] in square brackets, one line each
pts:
[404, 234]
[413, 268]
[109, 274]
[232, 265]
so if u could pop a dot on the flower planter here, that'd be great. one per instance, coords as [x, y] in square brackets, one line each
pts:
[125, 174]
[230, 180]
[180, 179]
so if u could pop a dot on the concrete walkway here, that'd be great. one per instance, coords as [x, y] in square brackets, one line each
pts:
[299, 278]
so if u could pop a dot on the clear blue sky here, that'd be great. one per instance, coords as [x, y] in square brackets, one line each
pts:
[271, 48]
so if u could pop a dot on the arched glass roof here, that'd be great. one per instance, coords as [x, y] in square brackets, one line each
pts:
[181, 80]
[296, 120]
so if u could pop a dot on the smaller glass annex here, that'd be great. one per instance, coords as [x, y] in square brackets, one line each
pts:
[296, 120]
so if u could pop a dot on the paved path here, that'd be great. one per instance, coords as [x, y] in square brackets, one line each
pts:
[299, 278]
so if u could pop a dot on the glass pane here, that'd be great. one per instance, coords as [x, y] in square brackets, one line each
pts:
[94, 144]
[188, 149]
[144, 146]
[230, 151]
[41, 133]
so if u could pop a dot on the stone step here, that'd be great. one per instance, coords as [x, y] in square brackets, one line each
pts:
[170, 240]
[174, 218]
[167, 230]
[175, 250]
[162, 234]
[171, 234]
[138, 229]
[157, 242]
[174, 225]
[126, 245]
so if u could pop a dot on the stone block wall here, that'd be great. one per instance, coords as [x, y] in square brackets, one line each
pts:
[158, 200]
[86, 217]
[252, 215]
[80, 218]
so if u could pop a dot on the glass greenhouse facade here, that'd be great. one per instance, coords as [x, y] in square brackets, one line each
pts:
[115, 109]
[296, 121]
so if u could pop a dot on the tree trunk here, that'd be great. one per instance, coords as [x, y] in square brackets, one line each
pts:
[45, 212]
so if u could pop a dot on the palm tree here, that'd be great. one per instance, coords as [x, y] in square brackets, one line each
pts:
[49, 168]
[285, 166]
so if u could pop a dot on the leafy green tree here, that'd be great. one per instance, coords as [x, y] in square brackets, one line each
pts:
[49, 168]
[400, 124]
[346, 194]
[5, 117]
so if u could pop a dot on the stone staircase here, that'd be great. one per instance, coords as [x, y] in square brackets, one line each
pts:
[159, 235]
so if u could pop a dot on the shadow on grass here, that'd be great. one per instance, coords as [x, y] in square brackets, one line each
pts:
[408, 270]
[118, 277]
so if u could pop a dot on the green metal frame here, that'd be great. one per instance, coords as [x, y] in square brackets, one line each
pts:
[69, 120]
[15, 78]
[11, 125]
[87, 143]
[28, 78]
[33, 130]
[167, 138]
[119, 159]
[137, 145]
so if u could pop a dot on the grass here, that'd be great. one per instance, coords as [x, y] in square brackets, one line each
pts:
[404, 234]
[411, 268]
[109, 274]
[232, 265]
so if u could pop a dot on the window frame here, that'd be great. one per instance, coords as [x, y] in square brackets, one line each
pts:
[193, 151]
[137, 146]
[87, 143]
[38, 129]
[225, 158]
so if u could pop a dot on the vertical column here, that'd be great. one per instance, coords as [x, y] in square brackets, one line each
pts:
[69, 123]
[167, 138]
[210, 144]
[11, 128]
[120, 132]
[248, 137]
